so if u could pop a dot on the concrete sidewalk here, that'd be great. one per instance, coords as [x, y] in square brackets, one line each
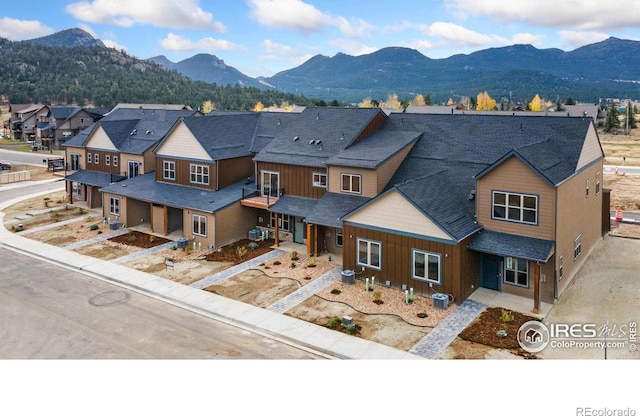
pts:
[270, 323]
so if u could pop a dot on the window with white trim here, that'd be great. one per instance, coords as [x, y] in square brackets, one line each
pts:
[350, 183]
[199, 174]
[169, 170]
[89, 158]
[107, 160]
[560, 268]
[514, 207]
[597, 183]
[96, 158]
[426, 266]
[586, 189]
[284, 221]
[115, 160]
[577, 246]
[339, 237]
[199, 225]
[114, 206]
[516, 271]
[319, 180]
[369, 253]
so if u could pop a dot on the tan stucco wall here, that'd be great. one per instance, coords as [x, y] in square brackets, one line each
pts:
[369, 181]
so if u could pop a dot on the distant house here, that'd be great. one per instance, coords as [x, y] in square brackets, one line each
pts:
[62, 123]
[22, 124]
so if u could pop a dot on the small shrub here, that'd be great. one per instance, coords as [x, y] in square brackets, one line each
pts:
[187, 249]
[277, 263]
[174, 247]
[46, 202]
[353, 329]
[261, 264]
[230, 246]
[294, 255]
[422, 315]
[377, 298]
[312, 262]
[241, 252]
[334, 322]
[253, 245]
[293, 265]
[267, 267]
[152, 238]
[335, 291]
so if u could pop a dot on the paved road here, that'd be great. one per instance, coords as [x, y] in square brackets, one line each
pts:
[22, 158]
[18, 190]
[49, 312]
[628, 170]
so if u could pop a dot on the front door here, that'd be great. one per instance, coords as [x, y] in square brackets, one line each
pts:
[491, 272]
[298, 232]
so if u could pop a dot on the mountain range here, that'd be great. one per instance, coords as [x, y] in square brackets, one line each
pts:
[518, 72]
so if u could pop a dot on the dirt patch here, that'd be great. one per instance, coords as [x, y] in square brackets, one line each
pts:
[139, 239]
[255, 288]
[107, 250]
[71, 232]
[51, 200]
[484, 328]
[186, 271]
[233, 253]
[47, 218]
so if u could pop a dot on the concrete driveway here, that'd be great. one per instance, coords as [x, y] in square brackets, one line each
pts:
[604, 293]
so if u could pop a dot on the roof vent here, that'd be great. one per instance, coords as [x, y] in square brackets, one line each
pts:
[472, 195]
[312, 141]
[279, 122]
[318, 141]
[295, 139]
[318, 116]
[149, 131]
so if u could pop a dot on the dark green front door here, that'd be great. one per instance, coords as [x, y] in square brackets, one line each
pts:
[491, 272]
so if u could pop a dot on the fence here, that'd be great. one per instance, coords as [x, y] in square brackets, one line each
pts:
[12, 177]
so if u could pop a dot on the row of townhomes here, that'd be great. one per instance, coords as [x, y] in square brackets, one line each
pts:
[441, 203]
[48, 127]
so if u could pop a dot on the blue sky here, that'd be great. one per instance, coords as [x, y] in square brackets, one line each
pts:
[263, 37]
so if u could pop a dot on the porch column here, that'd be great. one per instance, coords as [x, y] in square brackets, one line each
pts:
[89, 196]
[151, 217]
[70, 191]
[165, 227]
[309, 238]
[276, 234]
[536, 288]
[315, 240]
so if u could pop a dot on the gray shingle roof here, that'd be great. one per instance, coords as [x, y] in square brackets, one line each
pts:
[503, 244]
[294, 205]
[145, 188]
[332, 207]
[90, 177]
[310, 137]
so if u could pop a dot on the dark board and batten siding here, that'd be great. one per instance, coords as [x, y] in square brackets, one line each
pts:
[183, 172]
[295, 180]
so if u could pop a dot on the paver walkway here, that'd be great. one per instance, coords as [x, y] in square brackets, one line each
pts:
[306, 291]
[436, 341]
[237, 269]
[143, 253]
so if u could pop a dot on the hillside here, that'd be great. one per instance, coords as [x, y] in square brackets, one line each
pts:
[95, 75]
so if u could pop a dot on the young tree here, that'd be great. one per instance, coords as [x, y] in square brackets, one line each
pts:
[569, 101]
[629, 118]
[258, 107]
[559, 105]
[418, 100]
[536, 104]
[611, 121]
[207, 107]
[392, 102]
[485, 102]
[368, 103]
[427, 100]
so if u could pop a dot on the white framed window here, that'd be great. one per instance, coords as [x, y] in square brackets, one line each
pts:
[115, 160]
[319, 180]
[284, 221]
[369, 253]
[586, 188]
[516, 271]
[89, 158]
[114, 206]
[199, 174]
[339, 237]
[560, 268]
[169, 170]
[199, 225]
[96, 158]
[509, 206]
[597, 183]
[350, 183]
[427, 266]
[107, 160]
[577, 246]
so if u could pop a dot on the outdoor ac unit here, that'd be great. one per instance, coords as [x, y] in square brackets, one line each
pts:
[440, 300]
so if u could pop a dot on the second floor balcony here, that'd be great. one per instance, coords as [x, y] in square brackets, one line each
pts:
[260, 198]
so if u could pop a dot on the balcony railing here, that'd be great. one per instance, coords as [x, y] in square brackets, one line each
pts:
[252, 197]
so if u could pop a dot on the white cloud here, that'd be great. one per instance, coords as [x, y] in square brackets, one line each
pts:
[575, 39]
[351, 47]
[272, 47]
[526, 39]
[14, 29]
[115, 45]
[176, 14]
[582, 14]
[304, 18]
[175, 42]
[456, 34]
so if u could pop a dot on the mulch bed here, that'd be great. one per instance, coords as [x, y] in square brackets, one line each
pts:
[483, 330]
[229, 253]
[138, 239]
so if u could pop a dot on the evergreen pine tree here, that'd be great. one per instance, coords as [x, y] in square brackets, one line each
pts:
[611, 121]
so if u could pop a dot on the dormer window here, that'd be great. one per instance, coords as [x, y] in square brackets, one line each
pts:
[319, 180]
[350, 183]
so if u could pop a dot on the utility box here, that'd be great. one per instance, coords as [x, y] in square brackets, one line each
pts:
[254, 234]
[114, 225]
[348, 277]
[440, 300]
[182, 242]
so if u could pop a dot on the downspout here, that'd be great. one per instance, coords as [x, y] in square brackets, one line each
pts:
[555, 263]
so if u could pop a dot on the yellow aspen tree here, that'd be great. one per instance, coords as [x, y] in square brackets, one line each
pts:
[258, 107]
[450, 102]
[484, 102]
[536, 103]
[207, 107]
[418, 100]
[366, 103]
[392, 102]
